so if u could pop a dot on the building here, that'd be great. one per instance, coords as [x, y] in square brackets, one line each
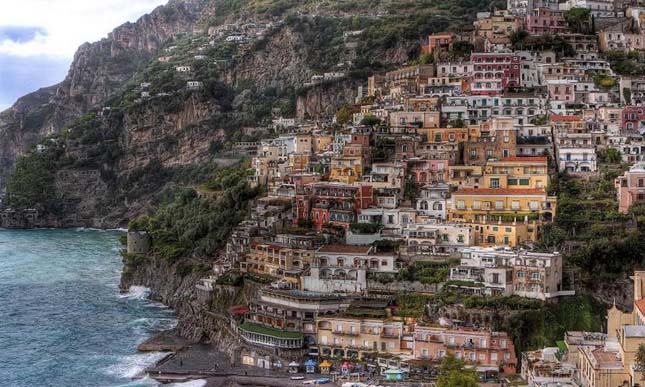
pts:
[350, 337]
[481, 347]
[344, 268]
[435, 239]
[504, 272]
[517, 173]
[545, 21]
[276, 260]
[294, 310]
[494, 72]
[630, 188]
[438, 43]
[333, 203]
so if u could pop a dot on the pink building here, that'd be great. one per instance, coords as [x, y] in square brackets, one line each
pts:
[481, 347]
[633, 118]
[630, 188]
[428, 171]
[542, 21]
[562, 90]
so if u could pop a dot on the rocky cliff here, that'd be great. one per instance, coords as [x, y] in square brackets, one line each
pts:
[99, 71]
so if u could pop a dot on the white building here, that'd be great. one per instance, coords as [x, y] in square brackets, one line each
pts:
[344, 268]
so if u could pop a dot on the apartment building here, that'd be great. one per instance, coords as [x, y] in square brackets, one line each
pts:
[350, 337]
[481, 347]
[506, 272]
[276, 259]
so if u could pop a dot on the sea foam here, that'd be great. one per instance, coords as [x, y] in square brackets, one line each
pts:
[137, 293]
[133, 366]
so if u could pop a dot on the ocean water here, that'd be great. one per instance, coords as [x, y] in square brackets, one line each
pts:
[63, 321]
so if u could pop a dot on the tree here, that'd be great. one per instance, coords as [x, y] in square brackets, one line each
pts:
[639, 360]
[344, 115]
[452, 373]
[579, 19]
[370, 120]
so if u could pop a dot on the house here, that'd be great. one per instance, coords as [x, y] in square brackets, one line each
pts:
[543, 21]
[630, 187]
[438, 43]
[194, 85]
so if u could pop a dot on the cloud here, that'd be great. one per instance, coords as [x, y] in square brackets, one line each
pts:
[67, 23]
[20, 34]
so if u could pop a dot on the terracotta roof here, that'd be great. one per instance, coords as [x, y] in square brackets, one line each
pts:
[500, 191]
[565, 118]
[344, 249]
[640, 304]
[528, 159]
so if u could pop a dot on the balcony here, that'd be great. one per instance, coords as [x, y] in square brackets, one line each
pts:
[345, 333]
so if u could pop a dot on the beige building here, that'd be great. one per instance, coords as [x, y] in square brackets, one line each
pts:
[355, 337]
[630, 188]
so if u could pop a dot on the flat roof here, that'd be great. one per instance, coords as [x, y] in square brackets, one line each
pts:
[344, 249]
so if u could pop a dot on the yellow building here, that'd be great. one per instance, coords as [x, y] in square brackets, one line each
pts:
[299, 162]
[504, 233]
[439, 135]
[503, 216]
[346, 170]
[465, 176]
[354, 337]
[321, 143]
[517, 173]
[276, 260]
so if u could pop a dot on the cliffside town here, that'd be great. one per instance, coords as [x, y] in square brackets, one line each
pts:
[357, 190]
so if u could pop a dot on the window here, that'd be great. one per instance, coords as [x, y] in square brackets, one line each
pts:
[512, 181]
[494, 183]
[535, 276]
[461, 205]
[477, 205]
[533, 205]
[515, 205]
[520, 274]
[499, 205]
[524, 181]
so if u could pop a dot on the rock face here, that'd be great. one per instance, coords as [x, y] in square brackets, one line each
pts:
[99, 70]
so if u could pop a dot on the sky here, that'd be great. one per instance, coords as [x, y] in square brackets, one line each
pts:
[38, 38]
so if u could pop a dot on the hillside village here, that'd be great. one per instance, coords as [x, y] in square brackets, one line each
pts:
[440, 189]
[475, 216]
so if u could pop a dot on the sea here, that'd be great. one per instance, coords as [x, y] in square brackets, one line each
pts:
[63, 321]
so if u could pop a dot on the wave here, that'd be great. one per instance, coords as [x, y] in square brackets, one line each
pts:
[192, 383]
[143, 382]
[145, 325]
[136, 293]
[133, 366]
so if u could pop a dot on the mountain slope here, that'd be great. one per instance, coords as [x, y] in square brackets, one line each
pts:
[103, 137]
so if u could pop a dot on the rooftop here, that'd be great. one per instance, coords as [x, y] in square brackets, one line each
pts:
[500, 191]
[345, 249]
[254, 328]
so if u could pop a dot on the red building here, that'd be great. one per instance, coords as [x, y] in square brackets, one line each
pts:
[494, 72]
[441, 42]
[633, 118]
[329, 202]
